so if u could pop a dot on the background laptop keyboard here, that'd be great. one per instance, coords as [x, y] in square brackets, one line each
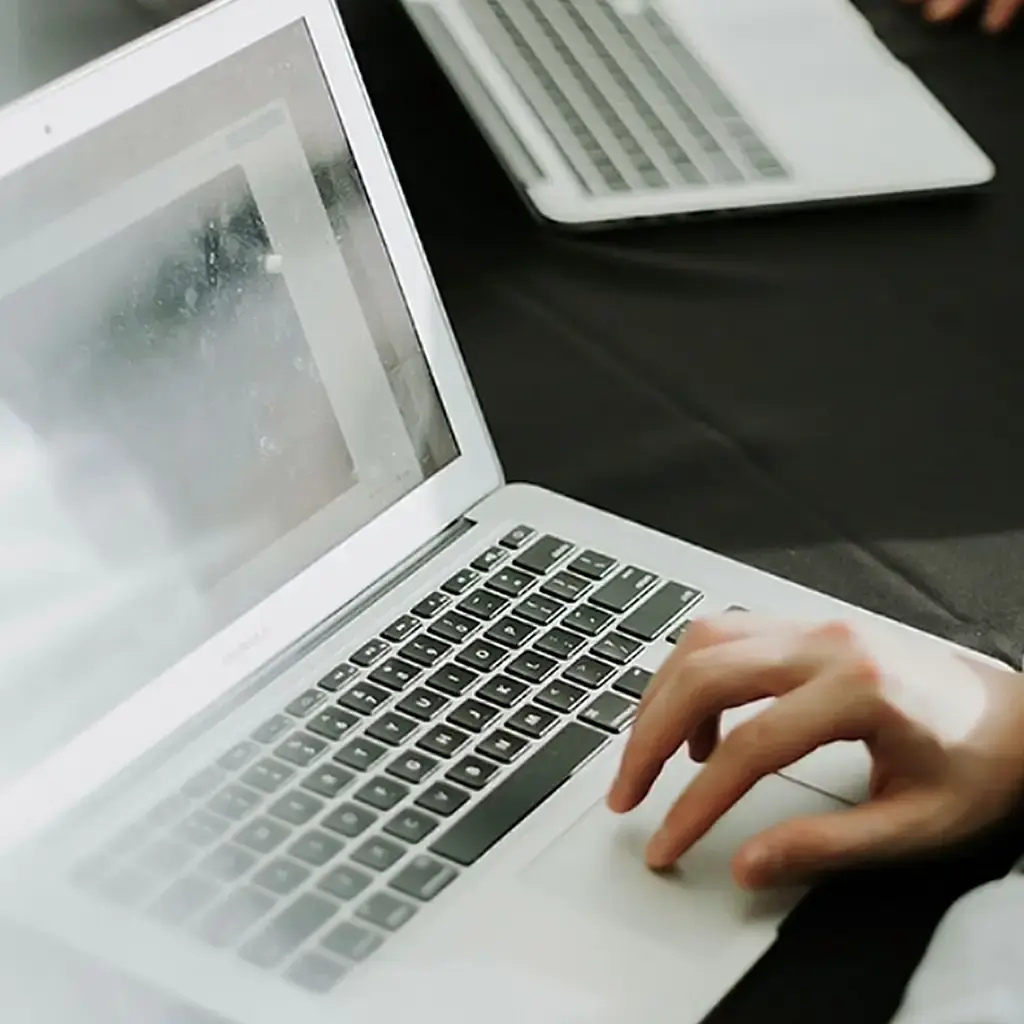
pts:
[310, 841]
[622, 95]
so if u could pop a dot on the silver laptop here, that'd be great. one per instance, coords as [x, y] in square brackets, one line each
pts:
[607, 111]
[304, 713]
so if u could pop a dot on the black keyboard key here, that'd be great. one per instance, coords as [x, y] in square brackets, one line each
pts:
[332, 723]
[532, 721]
[205, 782]
[423, 704]
[624, 589]
[230, 920]
[360, 754]
[412, 767]
[609, 711]
[238, 756]
[473, 715]
[272, 729]
[315, 848]
[647, 621]
[395, 673]
[461, 581]
[235, 802]
[503, 691]
[592, 564]
[482, 655]
[589, 672]
[262, 835]
[184, 898]
[673, 635]
[315, 973]
[338, 677]
[425, 650]
[164, 857]
[453, 680]
[483, 604]
[382, 793]
[364, 698]
[306, 703]
[518, 795]
[281, 876]
[391, 729]
[297, 808]
[502, 746]
[423, 878]
[227, 863]
[370, 652]
[510, 582]
[587, 620]
[386, 911]
[431, 605]
[352, 942]
[201, 829]
[378, 854]
[510, 632]
[301, 749]
[473, 772]
[488, 559]
[560, 696]
[633, 682]
[517, 537]
[543, 555]
[267, 776]
[532, 667]
[566, 586]
[411, 825]
[616, 648]
[349, 820]
[401, 629]
[454, 627]
[539, 609]
[289, 930]
[345, 882]
[443, 740]
[442, 798]
[560, 643]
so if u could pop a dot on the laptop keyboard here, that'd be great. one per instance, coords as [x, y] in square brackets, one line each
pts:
[623, 96]
[311, 840]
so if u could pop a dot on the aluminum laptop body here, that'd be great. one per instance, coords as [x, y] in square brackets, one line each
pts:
[305, 713]
[606, 111]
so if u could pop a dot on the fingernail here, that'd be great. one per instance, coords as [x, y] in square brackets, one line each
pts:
[659, 851]
[939, 10]
[614, 799]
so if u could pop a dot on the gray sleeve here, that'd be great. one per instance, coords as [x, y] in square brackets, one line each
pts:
[973, 972]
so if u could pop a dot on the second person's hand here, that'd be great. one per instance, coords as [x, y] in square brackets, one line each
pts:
[946, 737]
[997, 15]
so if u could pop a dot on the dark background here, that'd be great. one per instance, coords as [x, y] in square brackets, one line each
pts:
[832, 395]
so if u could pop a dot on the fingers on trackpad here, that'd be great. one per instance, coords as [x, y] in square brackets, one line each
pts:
[597, 867]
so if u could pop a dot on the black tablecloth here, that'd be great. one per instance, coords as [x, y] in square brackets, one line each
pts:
[832, 395]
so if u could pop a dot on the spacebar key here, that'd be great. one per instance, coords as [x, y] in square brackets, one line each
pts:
[522, 792]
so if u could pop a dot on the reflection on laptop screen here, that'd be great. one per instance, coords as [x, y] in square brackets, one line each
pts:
[208, 379]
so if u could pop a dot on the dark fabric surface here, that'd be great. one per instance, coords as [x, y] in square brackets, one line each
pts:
[832, 395]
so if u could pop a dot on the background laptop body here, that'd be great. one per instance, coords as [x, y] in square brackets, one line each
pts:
[607, 111]
[304, 713]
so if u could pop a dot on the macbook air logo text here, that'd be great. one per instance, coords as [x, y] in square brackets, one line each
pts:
[244, 647]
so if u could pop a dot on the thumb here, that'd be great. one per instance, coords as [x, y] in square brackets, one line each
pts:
[886, 827]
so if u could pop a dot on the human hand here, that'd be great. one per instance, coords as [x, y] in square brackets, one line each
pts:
[945, 734]
[997, 14]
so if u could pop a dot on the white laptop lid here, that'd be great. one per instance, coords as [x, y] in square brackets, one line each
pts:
[229, 398]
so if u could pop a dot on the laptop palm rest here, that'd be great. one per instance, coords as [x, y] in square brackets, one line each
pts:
[597, 867]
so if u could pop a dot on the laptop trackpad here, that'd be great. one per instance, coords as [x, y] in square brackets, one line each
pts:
[597, 866]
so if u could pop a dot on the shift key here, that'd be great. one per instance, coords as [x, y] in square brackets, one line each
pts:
[659, 611]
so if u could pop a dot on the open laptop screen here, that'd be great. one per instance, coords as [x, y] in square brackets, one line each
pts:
[208, 379]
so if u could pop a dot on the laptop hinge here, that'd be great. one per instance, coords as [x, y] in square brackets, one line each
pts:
[263, 677]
